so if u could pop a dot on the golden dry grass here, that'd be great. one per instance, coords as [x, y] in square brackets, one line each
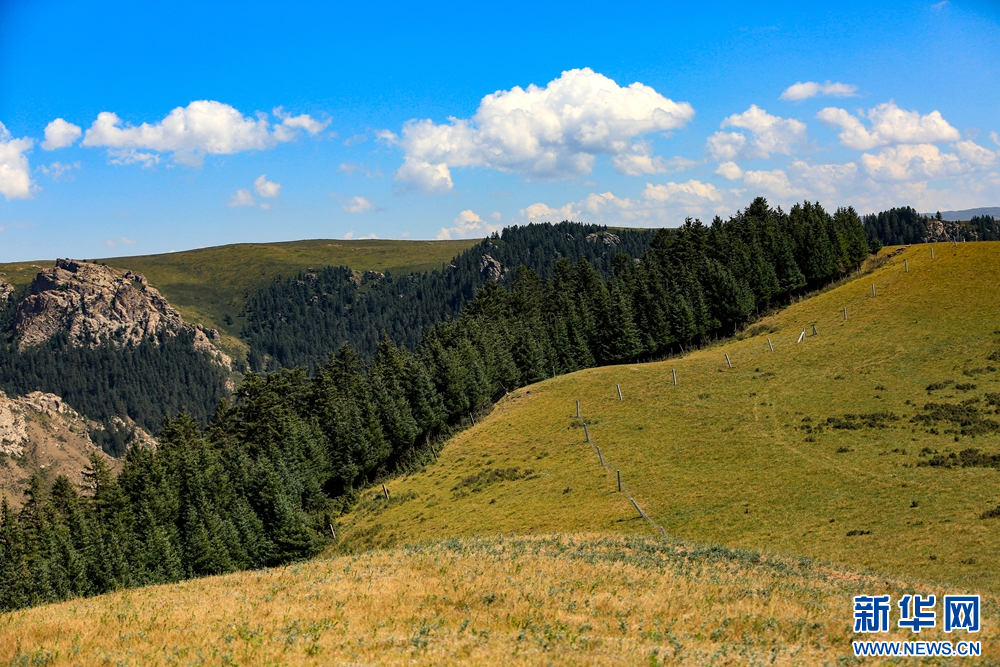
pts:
[565, 599]
[578, 578]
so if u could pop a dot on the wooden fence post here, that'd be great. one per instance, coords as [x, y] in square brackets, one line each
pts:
[385, 491]
[586, 432]
[619, 392]
[906, 266]
[599, 455]
[769, 344]
[619, 480]
[578, 409]
[728, 361]
[873, 289]
[673, 371]
[637, 508]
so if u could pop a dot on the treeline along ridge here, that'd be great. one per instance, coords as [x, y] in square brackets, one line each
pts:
[263, 482]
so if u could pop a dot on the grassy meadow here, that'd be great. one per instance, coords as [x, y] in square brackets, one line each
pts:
[207, 284]
[515, 546]
[579, 599]
[748, 456]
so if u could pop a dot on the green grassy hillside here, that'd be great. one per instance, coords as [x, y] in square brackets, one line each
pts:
[809, 462]
[208, 284]
[811, 449]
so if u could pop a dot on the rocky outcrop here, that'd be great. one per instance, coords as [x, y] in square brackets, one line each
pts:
[490, 268]
[40, 433]
[95, 305]
[607, 238]
[940, 231]
[6, 289]
[12, 429]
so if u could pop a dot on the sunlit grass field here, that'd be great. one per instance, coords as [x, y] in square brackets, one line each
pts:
[576, 599]
[515, 546]
[733, 455]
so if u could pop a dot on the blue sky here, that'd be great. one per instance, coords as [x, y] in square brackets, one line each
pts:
[134, 128]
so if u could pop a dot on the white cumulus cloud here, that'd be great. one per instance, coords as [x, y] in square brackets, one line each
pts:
[911, 162]
[829, 180]
[266, 188]
[551, 132]
[15, 173]
[889, 124]
[805, 90]
[773, 183]
[357, 205]
[974, 154]
[692, 190]
[60, 134]
[242, 198]
[658, 205]
[540, 212]
[203, 127]
[729, 170]
[768, 134]
[639, 160]
[467, 225]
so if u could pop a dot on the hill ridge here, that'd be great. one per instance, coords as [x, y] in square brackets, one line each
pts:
[852, 420]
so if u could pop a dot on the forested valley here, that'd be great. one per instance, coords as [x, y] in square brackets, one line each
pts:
[297, 321]
[263, 482]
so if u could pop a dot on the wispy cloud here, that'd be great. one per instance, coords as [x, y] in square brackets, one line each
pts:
[357, 205]
[805, 90]
[58, 171]
[467, 225]
[124, 240]
[242, 198]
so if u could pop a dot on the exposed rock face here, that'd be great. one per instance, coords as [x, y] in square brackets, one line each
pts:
[607, 238]
[12, 429]
[490, 268]
[6, 289]
[938, 230]
[94, 305]
[40, 433]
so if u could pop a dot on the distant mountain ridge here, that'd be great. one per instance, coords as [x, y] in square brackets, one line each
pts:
[966, 214]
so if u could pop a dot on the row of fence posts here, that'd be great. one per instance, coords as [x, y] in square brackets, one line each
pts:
[621, 397]
[673, 373]
[618, 473]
